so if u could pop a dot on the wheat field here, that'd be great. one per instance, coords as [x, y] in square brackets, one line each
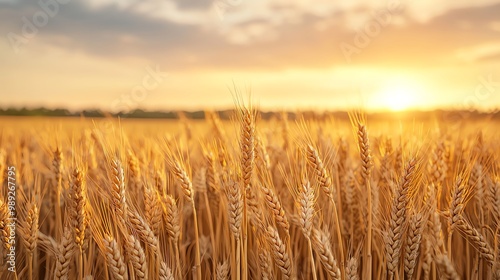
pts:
[292, 197]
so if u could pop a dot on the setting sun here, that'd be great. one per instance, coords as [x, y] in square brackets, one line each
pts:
[399, 96]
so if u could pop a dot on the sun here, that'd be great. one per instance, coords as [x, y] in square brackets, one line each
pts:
[398, 96]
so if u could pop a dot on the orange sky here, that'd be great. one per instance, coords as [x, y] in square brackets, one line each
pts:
[120, 55]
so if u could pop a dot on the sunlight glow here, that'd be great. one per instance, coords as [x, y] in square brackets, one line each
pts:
[399, 96]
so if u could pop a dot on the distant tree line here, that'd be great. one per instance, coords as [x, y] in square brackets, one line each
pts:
[450, 115]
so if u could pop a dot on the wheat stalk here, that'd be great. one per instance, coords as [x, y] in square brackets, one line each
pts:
[4, 221]
[363, 141]
[324, 179]
[79, 216]
[496, 268]
[279, 252]
[306, 202]
[172, 225]
[115, 259]
[187, 188]
[213, 190]
[136, 256]
[457, 205]
[447, 269]
[247, 147]
[183, 177]
[29, 234]
[306, 214]
[325, 183]
[436, 231]
[394, 234]
[138, 223]
[118, 193]
[57, 169]
[235, 208]
[274, 205]
[266, 271]
[351, 270]
[477, 239]
[323, 247]
[427, 259]
[223, 271]
[64, 255]
[48, 243]
[135, 173]
[152, 209]
[165, 272]
[29, 229]
[494, 197]
[417, 225]
[78, 211]
[235, 215]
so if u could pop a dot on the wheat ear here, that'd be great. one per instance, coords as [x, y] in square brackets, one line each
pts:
[279, 252]
[78, 211]
[306, 215]
[417, 225]
[456, 208]
[247, 146]
[235, 208]
[78, 214]
[274, 205]
[165, 272]
[325, 183]
[366, 168]
[183, 177]
[223, 271]
[496, 268]
[4, 231]
[57, 169]
[447, 269]
[306, 201]
[141, 226]
[266, 271]
[187, 188]
[136, 256]
[118, 194]
[351, 270]
[64, 255]
[152, 208]
[235, 214]
[115, 260]
[172, 225]
[477, 239]
[29, 234]
[322, 245]
[48, 243]
[394, 235]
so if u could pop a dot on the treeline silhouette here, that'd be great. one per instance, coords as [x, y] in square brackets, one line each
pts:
[452, 115]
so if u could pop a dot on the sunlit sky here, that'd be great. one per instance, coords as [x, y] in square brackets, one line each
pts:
[190, 54]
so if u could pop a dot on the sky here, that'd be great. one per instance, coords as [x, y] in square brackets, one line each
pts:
[119, 55]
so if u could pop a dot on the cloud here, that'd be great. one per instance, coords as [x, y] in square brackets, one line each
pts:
[108, 31]
[308, 40]
[194, 4]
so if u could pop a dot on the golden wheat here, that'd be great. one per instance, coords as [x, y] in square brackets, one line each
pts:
[251, 199]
